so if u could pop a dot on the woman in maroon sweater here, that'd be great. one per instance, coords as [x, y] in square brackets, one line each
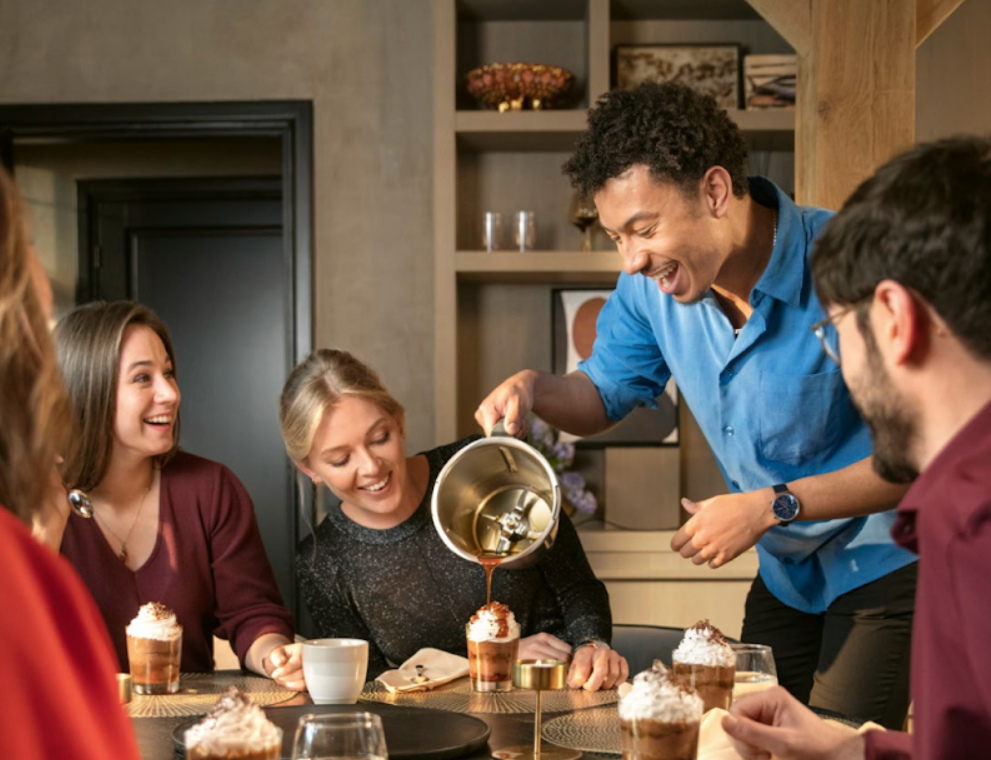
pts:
[167, 526]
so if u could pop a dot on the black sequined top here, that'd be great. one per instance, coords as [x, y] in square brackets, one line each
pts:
[402, 589]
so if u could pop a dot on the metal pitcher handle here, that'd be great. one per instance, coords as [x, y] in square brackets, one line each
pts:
[500, 429]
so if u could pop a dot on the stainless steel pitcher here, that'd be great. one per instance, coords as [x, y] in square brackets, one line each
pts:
[497, 497]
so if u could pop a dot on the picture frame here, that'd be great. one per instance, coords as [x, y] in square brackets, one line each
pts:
[573, 322]
[769, 81]
[709, 68]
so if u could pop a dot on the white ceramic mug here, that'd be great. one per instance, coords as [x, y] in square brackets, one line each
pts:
[335, 670]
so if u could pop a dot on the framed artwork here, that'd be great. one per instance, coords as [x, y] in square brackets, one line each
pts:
[712, 69]
[769, 81]
[574, 316]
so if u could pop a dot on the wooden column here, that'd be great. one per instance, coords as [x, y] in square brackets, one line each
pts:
[856, 85]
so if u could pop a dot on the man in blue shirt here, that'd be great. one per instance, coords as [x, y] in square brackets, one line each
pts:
[716, 291]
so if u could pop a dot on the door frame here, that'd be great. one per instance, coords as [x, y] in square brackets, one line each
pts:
[290, 120]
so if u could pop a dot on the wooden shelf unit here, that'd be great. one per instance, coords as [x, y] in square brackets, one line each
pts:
[485, 160]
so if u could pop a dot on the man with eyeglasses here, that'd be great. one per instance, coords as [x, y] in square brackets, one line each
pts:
[904, 272]
[717, 292]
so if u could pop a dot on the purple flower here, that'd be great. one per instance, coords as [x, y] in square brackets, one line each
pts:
[572, 483]
[586, 503]
[564, 451]
[541, 434]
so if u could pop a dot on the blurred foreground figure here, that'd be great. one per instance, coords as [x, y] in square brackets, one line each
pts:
[57, 663]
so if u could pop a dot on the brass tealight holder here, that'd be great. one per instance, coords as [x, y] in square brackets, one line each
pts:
[538, 676]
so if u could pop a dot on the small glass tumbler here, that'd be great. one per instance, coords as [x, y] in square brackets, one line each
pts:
[525, 230]
[356, 736]
[492, 231]
[755, 669]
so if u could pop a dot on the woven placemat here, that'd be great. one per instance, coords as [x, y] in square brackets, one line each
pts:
[198, 693]
[597, 732]
[458, 696]
[588, 730]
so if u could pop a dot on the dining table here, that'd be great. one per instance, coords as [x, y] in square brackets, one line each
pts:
[154, 733]
[574, 719]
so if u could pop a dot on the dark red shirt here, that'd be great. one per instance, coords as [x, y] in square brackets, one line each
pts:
[208, 565]
[946, 519]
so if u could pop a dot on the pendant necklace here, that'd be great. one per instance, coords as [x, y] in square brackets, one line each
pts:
[122, 554]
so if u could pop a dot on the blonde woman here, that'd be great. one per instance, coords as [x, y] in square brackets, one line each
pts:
[376, 569]
[56, 660]
[167, 526]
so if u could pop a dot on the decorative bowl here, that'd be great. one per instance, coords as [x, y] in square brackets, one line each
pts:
[517, 86]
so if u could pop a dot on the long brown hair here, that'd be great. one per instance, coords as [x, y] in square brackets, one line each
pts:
[34, 418]
[88, 342]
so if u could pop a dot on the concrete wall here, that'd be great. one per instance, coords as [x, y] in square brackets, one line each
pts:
[365, 64]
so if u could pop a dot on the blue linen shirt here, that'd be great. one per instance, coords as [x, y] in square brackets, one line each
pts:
[772, 405]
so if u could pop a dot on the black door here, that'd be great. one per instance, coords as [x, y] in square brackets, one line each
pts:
[208, 256]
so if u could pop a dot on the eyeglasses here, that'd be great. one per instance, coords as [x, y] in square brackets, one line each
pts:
[825, 329]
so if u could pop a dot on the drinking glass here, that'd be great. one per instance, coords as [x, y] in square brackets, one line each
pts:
[583, 214]
[525, 230]
[492, 232]
[356, 736]
[755, 669]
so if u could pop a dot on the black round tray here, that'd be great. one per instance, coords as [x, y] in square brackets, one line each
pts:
[410, 733]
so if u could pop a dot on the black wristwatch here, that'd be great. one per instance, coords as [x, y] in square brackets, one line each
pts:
[785, 505]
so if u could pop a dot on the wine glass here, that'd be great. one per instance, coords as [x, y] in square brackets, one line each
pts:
[755, 669]
[583, 214]
[357, 736]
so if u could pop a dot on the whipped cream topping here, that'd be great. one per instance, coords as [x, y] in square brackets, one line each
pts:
[493, 622]
[154, 621]
[658, 695]
[704, 644]
[235, 724]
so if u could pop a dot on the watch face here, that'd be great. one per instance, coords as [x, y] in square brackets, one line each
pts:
[785, 507]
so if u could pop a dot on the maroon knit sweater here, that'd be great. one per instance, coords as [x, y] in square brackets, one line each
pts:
[208, 565]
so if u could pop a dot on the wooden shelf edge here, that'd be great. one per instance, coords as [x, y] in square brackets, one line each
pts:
[521, 121]
[521, 131]
[538, 266]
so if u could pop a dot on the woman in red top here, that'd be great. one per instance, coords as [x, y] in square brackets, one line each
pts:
[167, 526]
[56, 659]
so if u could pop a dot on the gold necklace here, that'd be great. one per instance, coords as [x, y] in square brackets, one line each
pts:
[122, 554]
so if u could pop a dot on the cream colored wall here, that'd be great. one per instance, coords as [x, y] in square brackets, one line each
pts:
[367, 68]
[953, 69]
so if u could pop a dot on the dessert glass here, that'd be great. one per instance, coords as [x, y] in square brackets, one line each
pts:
[659, 718]
[236, 728]
[705, 660]
[490, 663]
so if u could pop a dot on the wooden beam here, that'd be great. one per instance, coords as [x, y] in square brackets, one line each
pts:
[792, 19]
[856, 95]
[929, 14]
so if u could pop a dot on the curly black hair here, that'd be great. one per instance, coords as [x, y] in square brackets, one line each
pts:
[679, 133]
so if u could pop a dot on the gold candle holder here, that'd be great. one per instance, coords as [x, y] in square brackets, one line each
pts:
[124, 688]
[538, 676]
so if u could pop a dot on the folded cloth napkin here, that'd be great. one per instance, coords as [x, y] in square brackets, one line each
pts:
[437, 668]
[714, 743]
